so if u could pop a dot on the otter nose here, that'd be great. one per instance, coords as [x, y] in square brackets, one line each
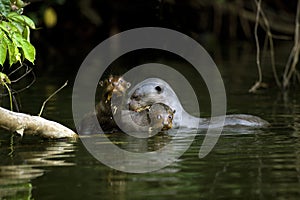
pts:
[115, 83]
[166, 124]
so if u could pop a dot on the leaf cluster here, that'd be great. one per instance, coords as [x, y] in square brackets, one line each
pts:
[15, 33]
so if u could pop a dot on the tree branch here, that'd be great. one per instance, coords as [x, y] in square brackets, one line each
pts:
[33, 125]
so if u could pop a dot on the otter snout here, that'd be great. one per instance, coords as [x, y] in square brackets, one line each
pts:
[166, 125]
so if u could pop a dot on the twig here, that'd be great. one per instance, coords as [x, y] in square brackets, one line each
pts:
[257, 84]
[10, 96]
[44, 103]
[270, 37]
[28, 70]
[296, 56]
[257, 41]
[293, 59]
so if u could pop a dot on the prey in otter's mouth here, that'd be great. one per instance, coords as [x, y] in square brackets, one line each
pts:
[158, 116]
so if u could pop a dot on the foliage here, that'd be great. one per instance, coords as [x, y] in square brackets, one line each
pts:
[15, 44]
[4, 81]
[15, 28]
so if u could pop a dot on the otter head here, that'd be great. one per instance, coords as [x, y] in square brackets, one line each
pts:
[114, 85]
[161, 117]
[152, 91]
[144, 96]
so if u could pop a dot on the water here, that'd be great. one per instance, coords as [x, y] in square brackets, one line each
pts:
[244, 164]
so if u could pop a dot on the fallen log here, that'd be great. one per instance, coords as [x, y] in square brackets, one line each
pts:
[25, 124]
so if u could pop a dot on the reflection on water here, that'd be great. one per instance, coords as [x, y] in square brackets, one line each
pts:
[23, 162]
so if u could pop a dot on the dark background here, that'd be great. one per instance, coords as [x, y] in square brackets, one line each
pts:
[62, 48]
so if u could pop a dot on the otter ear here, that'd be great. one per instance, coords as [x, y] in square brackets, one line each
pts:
[174, 111]
[159, 89]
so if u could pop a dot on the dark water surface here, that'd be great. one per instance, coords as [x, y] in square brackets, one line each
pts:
[245, 164]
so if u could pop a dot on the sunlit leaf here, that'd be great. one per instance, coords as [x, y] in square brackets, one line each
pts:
[19, 26]
[16, 56]
[26, 33]
[3, 48]
[16, 39]
[28, 50]
[21, 19]
[5, 7]
[15, 28]
[11, 51]
[8, 27]
[26, 47]
[21, 3]
[3, 27]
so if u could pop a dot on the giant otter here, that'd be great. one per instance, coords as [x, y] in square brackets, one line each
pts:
[112, 86]
[157, 117]
[155, 90]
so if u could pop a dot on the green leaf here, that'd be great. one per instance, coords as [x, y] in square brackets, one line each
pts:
[8, 27]
[21, 19]
[16, 38]
[3, 27]
[14, 33]
[11, 51]
[26, 33]
[13, 43]
[28, 50]
[18, 25]
[21, 3]
[5, 7]
[3, 48]
[26, 47]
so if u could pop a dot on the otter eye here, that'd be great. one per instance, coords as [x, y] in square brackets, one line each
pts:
[158, 89]
[170, 117]
[128, 85]
[135, 97]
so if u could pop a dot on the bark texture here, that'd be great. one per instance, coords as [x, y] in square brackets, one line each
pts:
[33, 125]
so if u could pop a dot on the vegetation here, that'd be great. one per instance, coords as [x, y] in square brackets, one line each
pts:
[15, 33]
[263, 22]
[290, 71]
[15, 46]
